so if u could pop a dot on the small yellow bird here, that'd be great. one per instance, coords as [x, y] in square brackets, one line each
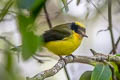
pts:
[65, 38]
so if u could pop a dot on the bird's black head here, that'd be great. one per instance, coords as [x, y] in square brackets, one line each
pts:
[79, 28]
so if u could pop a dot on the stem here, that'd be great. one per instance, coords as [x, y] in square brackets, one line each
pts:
[47, 17]
[65, 68]
[116, 44]
[110, 25]
[7, 41]
[68, 77]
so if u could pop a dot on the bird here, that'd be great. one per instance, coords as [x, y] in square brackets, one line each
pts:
[64, 39]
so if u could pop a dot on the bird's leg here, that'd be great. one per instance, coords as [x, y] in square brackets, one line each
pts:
[62, 59]
[72, 56]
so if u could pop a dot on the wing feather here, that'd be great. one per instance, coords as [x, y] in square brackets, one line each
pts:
[57, 33]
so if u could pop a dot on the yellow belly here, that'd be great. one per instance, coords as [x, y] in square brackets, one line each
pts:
[65, 46]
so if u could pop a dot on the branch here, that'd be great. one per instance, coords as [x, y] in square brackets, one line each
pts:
[74, 59]
[110, 24]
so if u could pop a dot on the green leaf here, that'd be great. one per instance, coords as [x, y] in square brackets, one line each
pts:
[37, 6]
[33, 6]
[65, 5]
[78, 1]
[116, 69]
[117, 54]
[118, 75]
[101, 72]
[30, 42]
[5, 9]
[115, 66]
[86, 75]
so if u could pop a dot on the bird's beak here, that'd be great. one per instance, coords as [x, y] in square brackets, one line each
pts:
[84, 35]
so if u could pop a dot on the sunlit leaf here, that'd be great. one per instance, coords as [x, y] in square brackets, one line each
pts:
[116, 69]
[101, 72]
[65, 4]
[30, 42]
[115, 66]
[86, 75]
[78, 1]
[5, 9]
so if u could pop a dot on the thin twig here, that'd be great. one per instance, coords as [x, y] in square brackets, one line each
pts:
[7, 41]
[40, 55]
[101, 31]
[93, 52]
[117, 42]
[97, 9]
[10, 11]
[15, 48]
[110, 25]
[67, 4]
[34, 57]
[66, 71]
[5, 9]
[47, 17]
[57, 13]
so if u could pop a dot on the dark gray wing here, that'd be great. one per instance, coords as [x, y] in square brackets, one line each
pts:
[57, 33]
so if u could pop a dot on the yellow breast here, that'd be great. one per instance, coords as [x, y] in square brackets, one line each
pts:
[65, 46]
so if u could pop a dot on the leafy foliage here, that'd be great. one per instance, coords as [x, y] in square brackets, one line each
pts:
[5, 9]
[33, 6]
[86, 75]
[116, 70]
[101, 72]
[117, 54]
[30, 42]
[65, 5]
[8, 69]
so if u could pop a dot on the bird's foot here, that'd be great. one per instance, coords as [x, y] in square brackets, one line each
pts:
[71, 56]
[62, 59]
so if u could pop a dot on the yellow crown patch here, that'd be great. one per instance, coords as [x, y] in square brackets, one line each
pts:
[80, 24]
